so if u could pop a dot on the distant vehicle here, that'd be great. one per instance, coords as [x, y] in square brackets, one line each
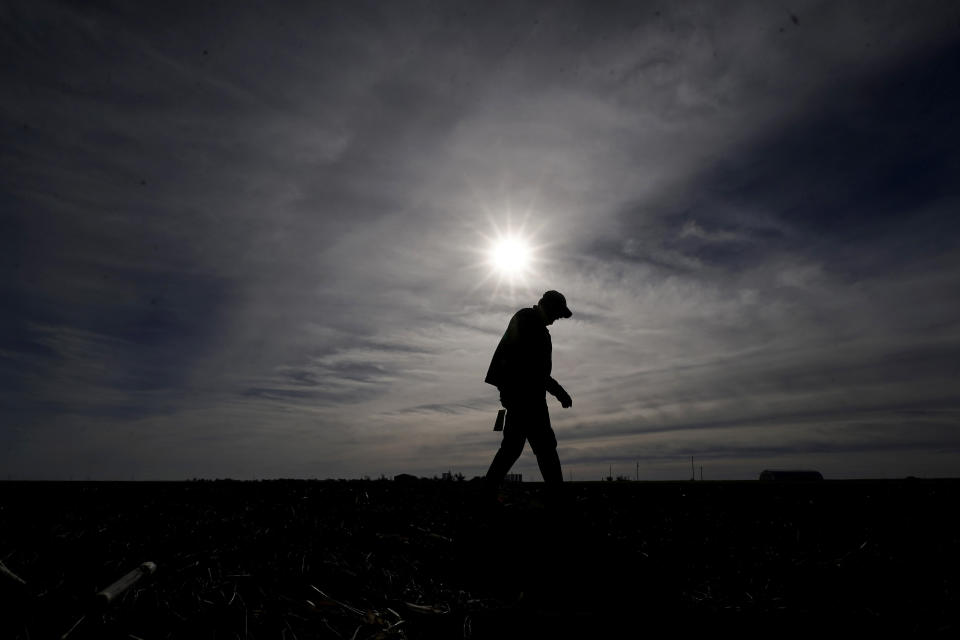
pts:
[768, 475]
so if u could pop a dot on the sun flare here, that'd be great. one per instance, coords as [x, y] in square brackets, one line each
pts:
[510, 256]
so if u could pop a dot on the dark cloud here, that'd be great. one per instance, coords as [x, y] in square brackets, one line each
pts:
[869, 163]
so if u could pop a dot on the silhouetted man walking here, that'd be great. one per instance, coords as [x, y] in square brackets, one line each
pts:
[520, 370]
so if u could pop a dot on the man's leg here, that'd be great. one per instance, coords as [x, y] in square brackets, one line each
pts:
[544, 444]
[510, 449]
[549, 463]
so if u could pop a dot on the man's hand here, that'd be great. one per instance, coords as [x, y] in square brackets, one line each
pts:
[565, 400]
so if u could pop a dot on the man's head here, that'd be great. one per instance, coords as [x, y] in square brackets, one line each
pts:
[554, 306]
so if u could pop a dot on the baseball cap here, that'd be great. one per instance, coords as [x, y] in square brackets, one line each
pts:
[556, 301]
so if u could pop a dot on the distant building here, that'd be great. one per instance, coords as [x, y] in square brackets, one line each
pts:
[770, 475]
[514, 477]
[446, 476]
[405, 477]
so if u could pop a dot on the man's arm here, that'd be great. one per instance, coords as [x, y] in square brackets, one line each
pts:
[559, 392]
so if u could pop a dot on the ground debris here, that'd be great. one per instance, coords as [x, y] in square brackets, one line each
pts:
[414, 561]
[109, 594]
[427, 609]
[11, 576]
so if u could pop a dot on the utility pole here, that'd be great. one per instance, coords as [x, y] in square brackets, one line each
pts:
[701, 473]
[693, 473]
[638, 471]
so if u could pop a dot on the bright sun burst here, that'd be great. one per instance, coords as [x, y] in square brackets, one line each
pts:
[510, 256]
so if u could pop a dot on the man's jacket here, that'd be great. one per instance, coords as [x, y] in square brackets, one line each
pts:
[521, 364]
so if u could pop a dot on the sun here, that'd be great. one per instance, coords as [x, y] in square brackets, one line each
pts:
[510, 256]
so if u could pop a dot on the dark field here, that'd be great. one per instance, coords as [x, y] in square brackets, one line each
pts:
[298, 559]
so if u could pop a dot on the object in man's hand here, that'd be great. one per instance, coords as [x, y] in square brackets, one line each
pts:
[498, 425]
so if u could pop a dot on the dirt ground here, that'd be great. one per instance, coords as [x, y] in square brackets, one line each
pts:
[431, 559]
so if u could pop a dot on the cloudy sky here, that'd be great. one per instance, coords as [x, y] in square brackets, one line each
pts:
[251, 241]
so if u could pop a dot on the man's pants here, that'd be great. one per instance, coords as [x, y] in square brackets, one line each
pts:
[527, 421]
